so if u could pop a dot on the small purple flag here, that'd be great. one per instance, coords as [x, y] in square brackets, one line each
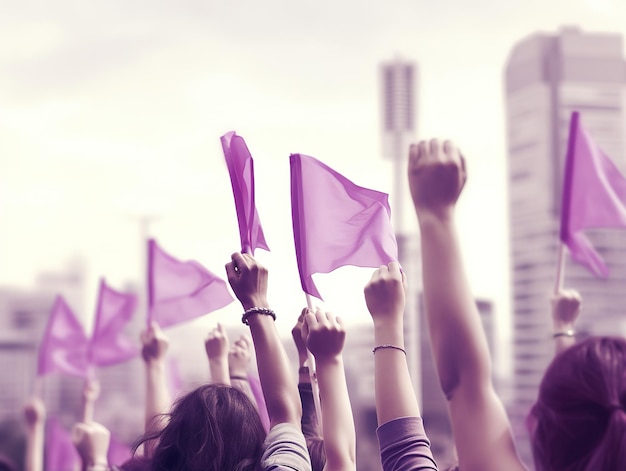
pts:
[241, 169]
[61, 455]
[64, 345]
[109, 345]
[181, 291]
[336, 223]
[594, 196]
[257, 392]
[118, 452]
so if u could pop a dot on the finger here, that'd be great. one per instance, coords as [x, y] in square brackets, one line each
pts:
[463, 167]
[394, 269]
[320, 316]
[239, 261]
[309, 320]
[450, 152]
[423, 151]
[220, 329]
[231, 273]
[414, 156]
[435, 148]
[339, 321]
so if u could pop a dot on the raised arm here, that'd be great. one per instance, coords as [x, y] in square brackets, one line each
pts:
[325, 336]
[310, 422]
[285, 444]
[401, 436]
[92, 444]
[565, 311]
[480, 425]
[239, 357]
[35, 417]
[158, 400]
[216, 346]
[249, 282]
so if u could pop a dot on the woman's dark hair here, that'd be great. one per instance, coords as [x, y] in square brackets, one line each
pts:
[579, 420]
[213, 428]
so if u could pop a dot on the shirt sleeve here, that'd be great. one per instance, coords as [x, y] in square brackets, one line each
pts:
[404, 445]
[285, 450]
[310, 425]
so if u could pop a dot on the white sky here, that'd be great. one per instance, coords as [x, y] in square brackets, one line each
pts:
[113, 109]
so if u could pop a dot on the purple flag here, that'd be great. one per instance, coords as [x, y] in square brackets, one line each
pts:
[257, 392]
[241, 169]
[336, 223]
[64, 345]
[118, 452]
[109, 345]
[181, 291]
[61, 455]
[594, 196]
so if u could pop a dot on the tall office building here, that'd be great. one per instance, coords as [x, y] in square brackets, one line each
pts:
[547, 77]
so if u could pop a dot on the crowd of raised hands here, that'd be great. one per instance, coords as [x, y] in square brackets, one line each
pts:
[226, 425]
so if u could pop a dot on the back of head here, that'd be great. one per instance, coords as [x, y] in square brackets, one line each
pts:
[579, 420]
[212, 428]
[6, 464]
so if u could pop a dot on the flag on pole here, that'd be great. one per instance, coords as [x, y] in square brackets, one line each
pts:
[64, 345]
[114, 311]
[336, 223]
[181, 291]
[241, 169]
[594, 196]
[61, 455]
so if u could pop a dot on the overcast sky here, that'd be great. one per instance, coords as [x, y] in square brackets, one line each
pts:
[113, 109]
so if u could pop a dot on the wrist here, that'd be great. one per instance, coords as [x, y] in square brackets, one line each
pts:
[155, 365]
[328, 360]
[257, 301]
[238, 373]
[562, 325]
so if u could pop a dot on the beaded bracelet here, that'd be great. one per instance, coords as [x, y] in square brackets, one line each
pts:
[565, 333]
[378, 347]
[257, 310]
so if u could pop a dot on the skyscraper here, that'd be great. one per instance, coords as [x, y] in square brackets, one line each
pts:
[547, 77]
[398, 118]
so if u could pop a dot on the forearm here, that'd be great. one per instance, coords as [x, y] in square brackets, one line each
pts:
[337, 420]
[395, 396]
[158, 400]
[562, 342]
[242, 384]
[279, 388]
[457, 337]
[218, 368]
[34, 448]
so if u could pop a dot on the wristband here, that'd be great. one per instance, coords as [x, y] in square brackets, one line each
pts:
[394, 347]
[257, 310]
[564, 333]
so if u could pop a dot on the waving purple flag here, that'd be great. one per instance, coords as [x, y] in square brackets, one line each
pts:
[109, 345]
[241, 169]
[594, 196]
[61, 455]
[64, 345]
[181, 291]
[336, 223]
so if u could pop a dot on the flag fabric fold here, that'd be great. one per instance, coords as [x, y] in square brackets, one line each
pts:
[594, 196]
[336, 223]
[181, 291]
[241, 169]
[64, 344]
[109, 345]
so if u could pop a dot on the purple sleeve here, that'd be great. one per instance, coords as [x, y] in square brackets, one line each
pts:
[404, 445]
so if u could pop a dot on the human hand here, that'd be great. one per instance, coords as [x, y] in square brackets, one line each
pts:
[154, 344]
[239, 357]
[248, 279]
[436, 177]
[323, 334]
[385, 294]
[296, 333]
[91, 390]
[216, 345]
[34, 412]
[92, 443]
[565, 308]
